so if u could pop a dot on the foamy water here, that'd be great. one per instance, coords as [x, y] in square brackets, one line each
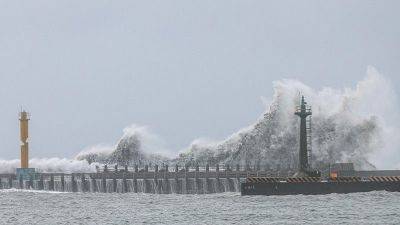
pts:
[36, 207]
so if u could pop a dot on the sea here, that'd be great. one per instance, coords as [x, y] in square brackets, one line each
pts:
[41, 207]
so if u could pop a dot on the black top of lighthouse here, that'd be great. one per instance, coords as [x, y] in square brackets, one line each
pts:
[303, 111]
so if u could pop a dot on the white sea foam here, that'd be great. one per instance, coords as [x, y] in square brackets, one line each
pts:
[49, 165]
[102, 150]
[137, 143]
[357, 124]
[349, 125]
[150, 143]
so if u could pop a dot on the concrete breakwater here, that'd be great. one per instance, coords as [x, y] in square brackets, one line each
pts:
[185, 181]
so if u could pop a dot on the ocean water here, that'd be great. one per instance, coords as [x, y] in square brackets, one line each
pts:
[37, 207]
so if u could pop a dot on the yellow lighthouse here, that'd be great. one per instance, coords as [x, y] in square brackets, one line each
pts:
[24, 119]
[25, 173]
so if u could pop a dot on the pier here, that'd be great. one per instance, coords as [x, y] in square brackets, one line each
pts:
[155, 180]
[159, 180]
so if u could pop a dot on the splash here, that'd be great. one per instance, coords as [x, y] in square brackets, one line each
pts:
[96, 153]
[358, 125]
[350, 125]
[136, 146]
[49, 165]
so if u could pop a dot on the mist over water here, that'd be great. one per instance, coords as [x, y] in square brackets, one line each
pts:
[358, 124]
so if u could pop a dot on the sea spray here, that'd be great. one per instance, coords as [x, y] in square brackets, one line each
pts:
[49, 165]
[357, 125]
[95, 153]
[137, 146]
[347, 127]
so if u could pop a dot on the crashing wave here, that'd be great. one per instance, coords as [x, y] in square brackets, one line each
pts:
[351, 125]
[273, 142]
[340, 133]
[130, 150]
[346, 128]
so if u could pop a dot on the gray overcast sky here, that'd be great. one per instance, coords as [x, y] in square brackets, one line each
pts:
[187, 69]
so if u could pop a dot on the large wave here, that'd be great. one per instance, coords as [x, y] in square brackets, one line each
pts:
[358, 125]
[136, 146]
[349, 125]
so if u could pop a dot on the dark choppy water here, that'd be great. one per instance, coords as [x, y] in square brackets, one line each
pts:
[26, 207]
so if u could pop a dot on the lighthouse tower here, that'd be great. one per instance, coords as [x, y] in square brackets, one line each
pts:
[24, 172]
[24, 119]
[304, 112]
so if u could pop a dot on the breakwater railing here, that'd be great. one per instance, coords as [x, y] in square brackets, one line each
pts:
[186, 180]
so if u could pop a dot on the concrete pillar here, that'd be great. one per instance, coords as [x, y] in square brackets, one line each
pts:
[30, 181]
[73, 183]
[21, 182]
[62, 182]
[178, 188]
[95, 188]
[146, 168]
[218, 181]
[166, 185]
[115, 184]
[10, 182]
[218, 184]
[124, 184]
[207, 168]
[196, 179]
[217, 168]
[157, 188]
[197, 185]
[104, 184]
[41, 183]
[186, 185]
[134, 183]
[206, 186]
[83, 183]
[238, 182]
[51, 185]
[166, 168]
[186, 179]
